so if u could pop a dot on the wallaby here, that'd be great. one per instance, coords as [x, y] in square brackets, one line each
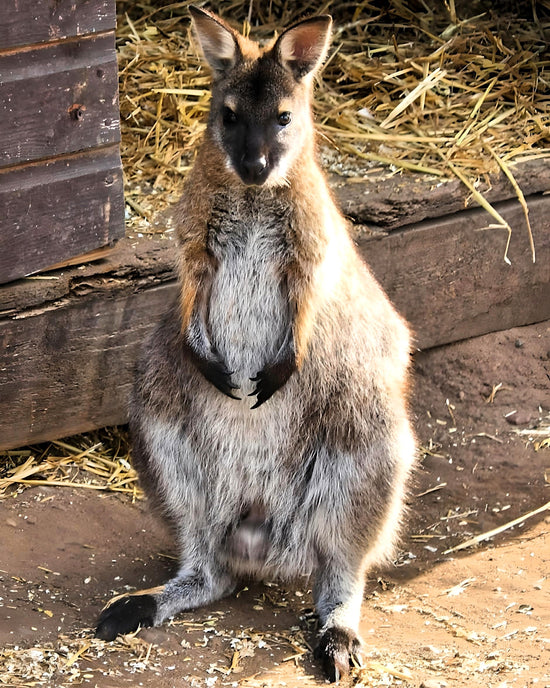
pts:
[269, 414]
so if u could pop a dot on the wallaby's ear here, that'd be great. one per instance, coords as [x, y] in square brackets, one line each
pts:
[302, 48]
[218, 40]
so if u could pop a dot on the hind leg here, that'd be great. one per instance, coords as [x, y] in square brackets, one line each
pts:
[175, 480]
[338, 592]
[356, 527]
[190, 589]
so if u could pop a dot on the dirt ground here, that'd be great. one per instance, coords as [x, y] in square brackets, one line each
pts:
[475, 617]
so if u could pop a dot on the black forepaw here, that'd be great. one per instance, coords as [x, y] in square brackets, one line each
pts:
[215, 371]
[125, 616]
[338, 649]
[272, 378]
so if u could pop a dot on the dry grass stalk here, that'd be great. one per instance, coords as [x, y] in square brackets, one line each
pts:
[426, 90]
[495, 531]
[521, 198]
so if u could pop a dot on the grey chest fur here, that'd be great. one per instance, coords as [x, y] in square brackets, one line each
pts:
[248, 311]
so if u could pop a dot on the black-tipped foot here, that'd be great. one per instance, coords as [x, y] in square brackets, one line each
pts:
[125, 616]
[338, 649]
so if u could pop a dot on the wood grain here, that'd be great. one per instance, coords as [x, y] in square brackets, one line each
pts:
[69, 369]
[448, 277]
[404, 199]
[37, 21]
[58, 99]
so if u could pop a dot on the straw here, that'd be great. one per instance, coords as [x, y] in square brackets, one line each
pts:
[495, 531]
[96, 461]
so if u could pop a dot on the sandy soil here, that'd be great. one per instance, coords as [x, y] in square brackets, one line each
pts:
[476, 617]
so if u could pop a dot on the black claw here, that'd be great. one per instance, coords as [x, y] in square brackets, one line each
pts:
[125, 616]
[218, 375]
[272, 378]
[227, 391]
[356, 659]
[262, 394]
[214, 370]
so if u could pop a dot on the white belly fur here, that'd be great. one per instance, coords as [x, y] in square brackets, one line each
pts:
[248, 309]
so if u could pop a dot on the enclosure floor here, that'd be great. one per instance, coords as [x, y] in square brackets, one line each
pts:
[477, 617]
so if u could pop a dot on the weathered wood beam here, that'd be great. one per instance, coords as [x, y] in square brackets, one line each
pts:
[449, 277]
[400, 200]
[59, 209]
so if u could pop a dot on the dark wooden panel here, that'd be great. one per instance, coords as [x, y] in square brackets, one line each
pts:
[70, 368]
[24, 22]
[58, 99]
[67, 347]
[59, 209]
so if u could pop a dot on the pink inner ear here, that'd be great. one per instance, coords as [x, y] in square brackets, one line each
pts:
[305, 44]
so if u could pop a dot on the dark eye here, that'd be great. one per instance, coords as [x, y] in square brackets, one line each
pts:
[229, 116]
[284, 118]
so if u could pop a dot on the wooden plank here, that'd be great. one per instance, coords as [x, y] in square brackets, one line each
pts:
[448, 277]
[56, 210]
[134, 264]
[83, 258]
[35, 21]
[403, 199]
[67, 359]
[58, 99]
[82, 354]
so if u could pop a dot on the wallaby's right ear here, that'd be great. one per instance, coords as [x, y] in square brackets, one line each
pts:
[302, 48]
[218, 40]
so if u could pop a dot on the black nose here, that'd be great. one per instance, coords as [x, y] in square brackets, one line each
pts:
[255, 169]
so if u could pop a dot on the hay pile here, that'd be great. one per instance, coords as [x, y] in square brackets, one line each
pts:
[98, 460]
[448, 89]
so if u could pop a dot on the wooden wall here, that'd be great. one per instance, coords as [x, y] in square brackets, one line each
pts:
[60, 172]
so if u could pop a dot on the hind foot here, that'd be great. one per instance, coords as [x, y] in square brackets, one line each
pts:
[126, 615]
[338, 649]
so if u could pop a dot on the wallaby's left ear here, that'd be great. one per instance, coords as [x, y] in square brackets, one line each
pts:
[302, 48]
[218, 40]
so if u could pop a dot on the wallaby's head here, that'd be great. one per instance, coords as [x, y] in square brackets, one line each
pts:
[260, 115]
